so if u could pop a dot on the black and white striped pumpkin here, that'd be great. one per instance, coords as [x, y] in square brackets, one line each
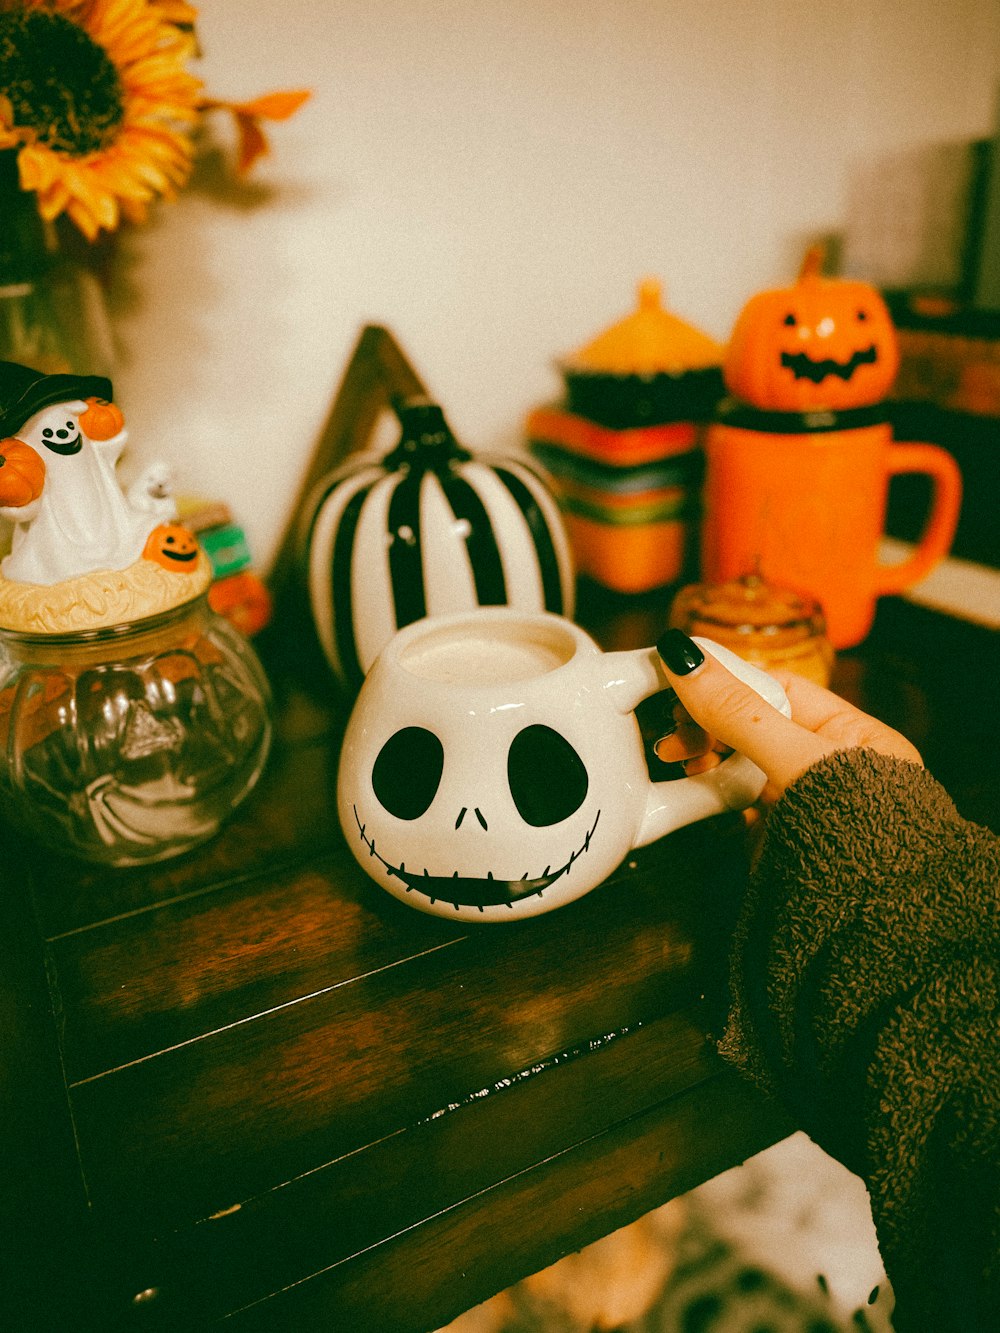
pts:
[428, 529]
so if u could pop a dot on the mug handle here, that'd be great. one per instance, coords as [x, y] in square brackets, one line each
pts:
[942, 519]
[732, 785]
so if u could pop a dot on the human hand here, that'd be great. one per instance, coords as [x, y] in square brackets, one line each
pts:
[730, 715]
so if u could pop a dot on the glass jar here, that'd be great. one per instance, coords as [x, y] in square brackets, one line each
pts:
[53, 310]
[766, 625]
[130, 744]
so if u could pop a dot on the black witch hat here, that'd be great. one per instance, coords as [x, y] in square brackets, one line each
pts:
[24, 391]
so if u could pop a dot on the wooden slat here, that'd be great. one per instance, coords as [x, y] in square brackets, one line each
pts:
[44, 1250]
[412, 1283]
[202, 1124]
[499, 1143]
[196, 965]
[289, 816]
[170, 973]
[338, 1212]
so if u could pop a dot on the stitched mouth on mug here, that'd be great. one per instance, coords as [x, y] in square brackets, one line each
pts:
[472, 891]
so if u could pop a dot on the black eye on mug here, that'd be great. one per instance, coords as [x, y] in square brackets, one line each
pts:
[548, 779]
[407, 772]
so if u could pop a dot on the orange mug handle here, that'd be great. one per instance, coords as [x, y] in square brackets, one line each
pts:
[942, 519]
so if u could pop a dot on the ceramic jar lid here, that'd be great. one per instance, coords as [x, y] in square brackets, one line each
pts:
[649, 341]
[752, 606]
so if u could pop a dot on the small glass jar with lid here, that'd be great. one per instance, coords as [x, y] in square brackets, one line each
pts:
[133, 742]
[133, 719]
[769, 626]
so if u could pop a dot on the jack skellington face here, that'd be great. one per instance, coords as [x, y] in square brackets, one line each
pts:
[492, 767]
[487, 821]
[547, 783]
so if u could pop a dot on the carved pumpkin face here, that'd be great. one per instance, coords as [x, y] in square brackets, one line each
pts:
[823, 344]
[173, 547]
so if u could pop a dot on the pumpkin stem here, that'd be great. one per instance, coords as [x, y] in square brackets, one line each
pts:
[812, 262]
[426, 441]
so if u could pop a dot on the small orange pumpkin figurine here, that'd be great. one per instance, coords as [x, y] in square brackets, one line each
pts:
[102, 419]
[173, 547]
[22, 473]
[823, 344]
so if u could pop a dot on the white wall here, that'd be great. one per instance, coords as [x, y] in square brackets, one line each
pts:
[491, 178]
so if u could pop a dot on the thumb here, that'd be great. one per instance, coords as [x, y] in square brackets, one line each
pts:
[732, 711]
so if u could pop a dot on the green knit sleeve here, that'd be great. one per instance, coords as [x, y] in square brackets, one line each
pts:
[866, 997]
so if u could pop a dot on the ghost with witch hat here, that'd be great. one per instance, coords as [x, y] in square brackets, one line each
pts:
[79, 520]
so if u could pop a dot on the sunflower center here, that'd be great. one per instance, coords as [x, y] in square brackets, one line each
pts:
[59, 81]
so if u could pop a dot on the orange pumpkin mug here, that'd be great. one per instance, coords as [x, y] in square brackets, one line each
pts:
[807, 511]
[800, 457]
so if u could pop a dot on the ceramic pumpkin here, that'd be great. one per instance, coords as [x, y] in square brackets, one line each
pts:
[427, 529]
[22, 473]
[823, 344]
[102, 420]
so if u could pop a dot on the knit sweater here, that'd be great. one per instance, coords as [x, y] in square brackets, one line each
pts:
[866, 980]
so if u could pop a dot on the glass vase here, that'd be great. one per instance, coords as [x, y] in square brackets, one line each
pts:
[53, 311]
[131, 744]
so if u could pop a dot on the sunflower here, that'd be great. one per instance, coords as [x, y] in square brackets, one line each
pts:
[101, 108]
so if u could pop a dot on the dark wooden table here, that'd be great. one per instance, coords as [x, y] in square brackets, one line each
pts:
[249, 1084]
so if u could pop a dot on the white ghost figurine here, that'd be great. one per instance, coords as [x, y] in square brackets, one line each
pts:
[82, 521]
[154, 492]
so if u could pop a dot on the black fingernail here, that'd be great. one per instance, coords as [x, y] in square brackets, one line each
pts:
[680, 653]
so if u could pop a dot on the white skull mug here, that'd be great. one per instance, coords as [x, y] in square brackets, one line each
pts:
[492, 768]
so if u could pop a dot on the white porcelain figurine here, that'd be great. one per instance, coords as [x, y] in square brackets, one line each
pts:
[84, 552]
[81, 520]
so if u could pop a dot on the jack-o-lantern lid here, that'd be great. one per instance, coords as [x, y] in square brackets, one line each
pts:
[823, 344]
[649, 341]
